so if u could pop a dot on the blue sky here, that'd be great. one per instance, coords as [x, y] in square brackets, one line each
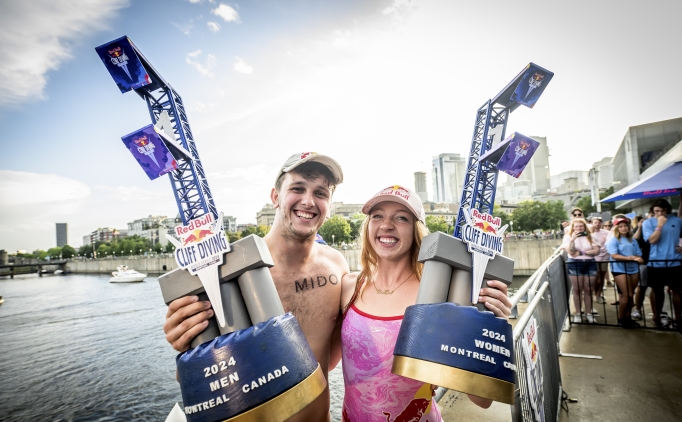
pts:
[382, 86]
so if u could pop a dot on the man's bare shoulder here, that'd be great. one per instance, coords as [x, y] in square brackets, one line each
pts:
[333, 256]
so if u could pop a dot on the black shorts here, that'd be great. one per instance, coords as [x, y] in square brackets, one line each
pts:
[665, 276]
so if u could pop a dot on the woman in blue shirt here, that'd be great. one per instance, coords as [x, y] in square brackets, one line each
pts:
[625, 251]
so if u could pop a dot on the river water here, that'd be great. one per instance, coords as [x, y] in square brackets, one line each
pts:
[78, 348]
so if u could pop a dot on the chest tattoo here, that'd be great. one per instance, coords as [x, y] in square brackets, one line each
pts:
[310, 283]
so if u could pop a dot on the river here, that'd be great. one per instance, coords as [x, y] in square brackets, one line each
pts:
[78, 348]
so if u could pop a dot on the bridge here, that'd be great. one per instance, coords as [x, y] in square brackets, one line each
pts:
[11, 269]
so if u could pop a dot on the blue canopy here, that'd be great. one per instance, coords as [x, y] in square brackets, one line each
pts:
[666, 182]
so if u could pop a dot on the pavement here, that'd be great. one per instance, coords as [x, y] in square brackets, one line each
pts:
[639, 378]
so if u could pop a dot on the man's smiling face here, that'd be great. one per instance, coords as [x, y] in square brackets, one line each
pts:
[302, 204]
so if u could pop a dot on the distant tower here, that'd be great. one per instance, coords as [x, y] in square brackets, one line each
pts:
[61, 234]
[420, 185]
[447, 175]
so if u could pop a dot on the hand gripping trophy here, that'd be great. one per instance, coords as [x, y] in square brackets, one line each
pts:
[252, 362]
[447, 338]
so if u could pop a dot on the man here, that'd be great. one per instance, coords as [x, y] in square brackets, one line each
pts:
[600, 235]
[307, 274]
[663, 232]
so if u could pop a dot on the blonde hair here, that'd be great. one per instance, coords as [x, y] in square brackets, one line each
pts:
[580, 220]
[369, 258]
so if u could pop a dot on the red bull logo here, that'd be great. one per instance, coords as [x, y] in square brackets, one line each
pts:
[196, 236]
[538, 77]
[413, 412]
[115, 52]
[141, 141]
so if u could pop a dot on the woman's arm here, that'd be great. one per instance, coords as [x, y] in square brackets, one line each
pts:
[348, 283]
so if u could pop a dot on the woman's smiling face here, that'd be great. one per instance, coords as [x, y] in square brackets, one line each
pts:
[391, 230]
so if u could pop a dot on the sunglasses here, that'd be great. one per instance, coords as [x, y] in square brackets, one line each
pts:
[577, 214]
[608, 225]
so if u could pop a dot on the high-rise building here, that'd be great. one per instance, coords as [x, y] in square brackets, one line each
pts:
[266, 216]
[447, 175]
[420, 185]
[61, 234]
[602, 171]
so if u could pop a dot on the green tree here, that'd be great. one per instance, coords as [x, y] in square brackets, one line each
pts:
[338, 227]
[437, 224]
[356, 222]
[262, 230]
[54, 253]
[248, 231]
[158, 248]
[497, 212]
[233, 236]
[585, 203]
[534, 215]
[68, 251]
[85, 250]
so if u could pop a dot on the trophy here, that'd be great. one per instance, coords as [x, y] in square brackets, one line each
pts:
[252, 362]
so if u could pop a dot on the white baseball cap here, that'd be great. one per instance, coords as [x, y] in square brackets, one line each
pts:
[401, 195]
[304, 157]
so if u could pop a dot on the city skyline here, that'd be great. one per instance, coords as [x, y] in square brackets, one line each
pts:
[381, 86]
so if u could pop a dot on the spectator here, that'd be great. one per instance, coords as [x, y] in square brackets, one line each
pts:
[582, 268]
[608, 226]
[625, 251]
[665, 258]
[600, 235]
[642, 285]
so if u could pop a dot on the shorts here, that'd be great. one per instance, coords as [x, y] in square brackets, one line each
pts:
[603, 266]
[581, 267]
[665, 276]
[643, 275]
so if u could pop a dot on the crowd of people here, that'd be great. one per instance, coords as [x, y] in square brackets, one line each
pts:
[639, 254]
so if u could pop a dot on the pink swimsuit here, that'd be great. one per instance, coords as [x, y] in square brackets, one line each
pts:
[373, 393]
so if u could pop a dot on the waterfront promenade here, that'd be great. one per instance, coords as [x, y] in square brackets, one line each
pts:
[528, 255]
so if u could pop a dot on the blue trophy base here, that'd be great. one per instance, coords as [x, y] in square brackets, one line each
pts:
[266, 372]
[457, 347]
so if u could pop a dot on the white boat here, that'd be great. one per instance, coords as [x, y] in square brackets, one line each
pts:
[59, 272]
[126, 275]
[2, 300]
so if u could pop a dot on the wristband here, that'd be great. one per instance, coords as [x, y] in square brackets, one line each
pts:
[657, 229]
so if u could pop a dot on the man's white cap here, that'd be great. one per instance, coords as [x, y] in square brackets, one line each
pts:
[401, 195]
[305, 157]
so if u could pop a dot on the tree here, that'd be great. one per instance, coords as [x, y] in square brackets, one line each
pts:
[356, 222]
[233, 236]
[248, 231]
[338, 227]
[436, 224]
[54, 253]
[534, 215]
[158, 248]
[262, 230]
[585, 204]
[497, 212]
[68, 251]
[169, 247]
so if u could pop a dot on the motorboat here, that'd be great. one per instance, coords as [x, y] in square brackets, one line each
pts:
[123, 274]
[2, 300]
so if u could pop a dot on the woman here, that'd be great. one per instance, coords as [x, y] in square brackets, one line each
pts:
[625, 251]
[582, 267]
[642, 286]
[374, 302]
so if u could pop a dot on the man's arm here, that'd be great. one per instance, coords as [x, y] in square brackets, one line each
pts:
[656, 232]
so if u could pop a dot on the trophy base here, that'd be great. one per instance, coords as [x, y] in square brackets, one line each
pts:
[288, 403]
[454, 378]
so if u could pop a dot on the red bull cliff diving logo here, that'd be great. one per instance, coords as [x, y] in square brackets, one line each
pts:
[534, 82]
[118, 57]
[200, 250]
[521, 150]
[145, 147]
[483, 236]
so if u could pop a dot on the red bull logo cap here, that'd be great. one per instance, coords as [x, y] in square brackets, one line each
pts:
[304, 157]
[401, 195]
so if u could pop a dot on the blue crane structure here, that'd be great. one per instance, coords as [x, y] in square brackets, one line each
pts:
[190, 186]
[480, 180]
